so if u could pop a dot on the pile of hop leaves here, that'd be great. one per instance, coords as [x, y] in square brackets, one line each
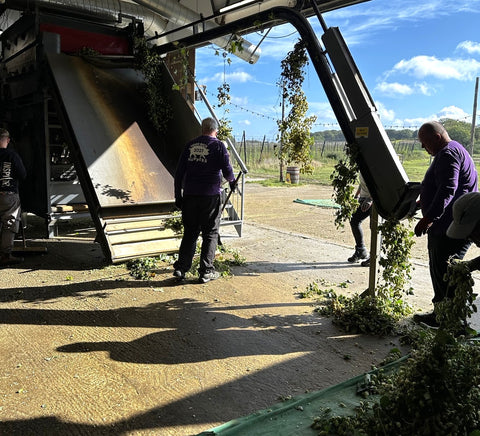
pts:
[224, 259]
[436, 391]
[175, 223]
[142, 268]
[370, 314]
[315, 289]
[379, 312]
[360, 314]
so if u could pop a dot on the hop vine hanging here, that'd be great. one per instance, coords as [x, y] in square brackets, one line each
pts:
[344, 179]
[295, 128]
[223, 98]
[150, 64]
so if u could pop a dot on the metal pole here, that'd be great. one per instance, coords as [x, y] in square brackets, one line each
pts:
[474, 117]
[319, 15]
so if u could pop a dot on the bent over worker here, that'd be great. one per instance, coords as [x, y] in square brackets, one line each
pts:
[466, 223]
[198, 180]
[12, 171]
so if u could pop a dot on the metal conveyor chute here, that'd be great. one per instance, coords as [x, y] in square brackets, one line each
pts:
[128, 189]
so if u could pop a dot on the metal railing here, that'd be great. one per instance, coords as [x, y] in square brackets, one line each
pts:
[233, 213]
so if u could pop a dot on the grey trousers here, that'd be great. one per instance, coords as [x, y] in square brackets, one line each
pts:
[9, 221]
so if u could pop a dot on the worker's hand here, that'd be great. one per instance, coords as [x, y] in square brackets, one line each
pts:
[422, 226]
[233, 186]
[413, 209]
[178, 202]
[365, 205]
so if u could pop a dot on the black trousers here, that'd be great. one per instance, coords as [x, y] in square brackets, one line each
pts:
[200, 214]
[356, 225]
[440, 249]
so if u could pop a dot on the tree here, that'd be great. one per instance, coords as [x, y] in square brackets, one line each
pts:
[394, 134]
[458, 130]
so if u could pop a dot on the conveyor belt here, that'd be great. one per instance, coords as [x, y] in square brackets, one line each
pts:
[128, 190]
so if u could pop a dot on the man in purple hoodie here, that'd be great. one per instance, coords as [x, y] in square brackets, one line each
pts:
[198, 181]
[451, 174]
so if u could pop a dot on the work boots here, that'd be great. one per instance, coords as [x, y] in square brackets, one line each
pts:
[9, 259]
[360, 254]
[206, 277]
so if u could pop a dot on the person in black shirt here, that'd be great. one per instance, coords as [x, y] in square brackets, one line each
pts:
[201, 167]
[12, 171]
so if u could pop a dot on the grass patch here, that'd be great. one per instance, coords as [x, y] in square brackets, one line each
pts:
[275, 183]
[415, 167]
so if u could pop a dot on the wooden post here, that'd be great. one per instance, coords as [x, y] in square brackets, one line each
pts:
[281, 136]
[374, 251]
[474, 116]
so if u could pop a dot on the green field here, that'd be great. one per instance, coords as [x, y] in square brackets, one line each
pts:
[261, 160]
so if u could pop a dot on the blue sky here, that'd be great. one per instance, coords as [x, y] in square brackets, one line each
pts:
[419, 60]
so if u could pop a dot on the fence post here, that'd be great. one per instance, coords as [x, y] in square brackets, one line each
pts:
[261, 150]
[244, 148]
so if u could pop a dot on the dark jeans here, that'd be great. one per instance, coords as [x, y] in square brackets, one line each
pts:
[356, 224]
[200, 213]
[10, 220]
[440, 249]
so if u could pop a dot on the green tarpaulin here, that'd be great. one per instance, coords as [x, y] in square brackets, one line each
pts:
[295, 416]
[319, 203]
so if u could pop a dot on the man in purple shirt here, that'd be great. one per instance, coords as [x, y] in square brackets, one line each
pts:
[199, 175]
[451, 174]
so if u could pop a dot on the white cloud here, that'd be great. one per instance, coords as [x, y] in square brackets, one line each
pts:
[394, 89]
[386, 115]
[235, 77]
[470, 47]
[418, 121]
[367, 18]
[240, 101]
[244, 122]
[430, 66]
[424, 88]
[238, 77]
[323, 111]
[453, 112]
